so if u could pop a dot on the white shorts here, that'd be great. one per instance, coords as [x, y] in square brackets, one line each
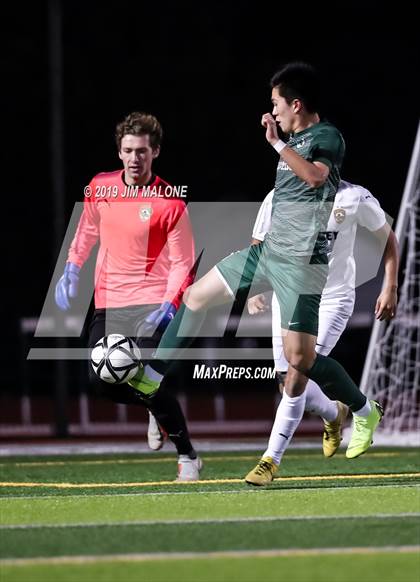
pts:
[334, 314]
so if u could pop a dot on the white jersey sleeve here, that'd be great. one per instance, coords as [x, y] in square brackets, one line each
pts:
[263, 220]
[369, 213]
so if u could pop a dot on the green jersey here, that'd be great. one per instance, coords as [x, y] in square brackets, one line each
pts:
[300, 213]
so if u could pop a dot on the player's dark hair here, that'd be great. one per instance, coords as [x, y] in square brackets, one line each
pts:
[298, 81]
[139, 123]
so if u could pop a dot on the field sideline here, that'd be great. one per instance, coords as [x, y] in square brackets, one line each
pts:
[122, 517]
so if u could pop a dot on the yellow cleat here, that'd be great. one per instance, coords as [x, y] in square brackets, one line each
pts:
[333, 431]
[263, 472]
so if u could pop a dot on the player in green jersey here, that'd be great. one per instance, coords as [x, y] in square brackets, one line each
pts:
[292, 261]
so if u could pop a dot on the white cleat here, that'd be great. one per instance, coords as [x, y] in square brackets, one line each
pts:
[155, 435]
[189, 469]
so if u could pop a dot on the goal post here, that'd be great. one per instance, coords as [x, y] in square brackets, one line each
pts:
[391, 372]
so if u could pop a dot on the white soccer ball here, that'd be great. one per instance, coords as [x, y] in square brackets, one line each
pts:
[116, 358]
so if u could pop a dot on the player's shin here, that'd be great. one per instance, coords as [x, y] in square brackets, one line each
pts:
[318, 403]
[335, 382]
[289, 414]
[167, 411]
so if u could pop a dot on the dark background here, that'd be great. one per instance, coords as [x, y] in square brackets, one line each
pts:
[204, 71]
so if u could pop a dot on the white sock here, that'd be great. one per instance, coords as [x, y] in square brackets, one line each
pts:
[288, 416]
[365, 410]
[318, 403]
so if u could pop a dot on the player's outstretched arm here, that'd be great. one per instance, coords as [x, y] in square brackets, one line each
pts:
[87, 234]
[386, 304]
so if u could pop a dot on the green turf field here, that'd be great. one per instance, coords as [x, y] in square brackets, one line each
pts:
[122, 517]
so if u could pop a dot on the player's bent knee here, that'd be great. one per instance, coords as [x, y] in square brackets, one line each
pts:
[301, 362]
[200, 298]
[194, 298]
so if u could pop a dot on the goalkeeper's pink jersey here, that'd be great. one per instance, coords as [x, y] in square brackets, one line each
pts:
[146, 247]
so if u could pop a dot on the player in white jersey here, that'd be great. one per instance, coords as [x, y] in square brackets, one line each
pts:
[353, 206]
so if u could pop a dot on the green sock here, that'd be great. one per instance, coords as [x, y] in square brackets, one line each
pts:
[188, 323]
[336, 383]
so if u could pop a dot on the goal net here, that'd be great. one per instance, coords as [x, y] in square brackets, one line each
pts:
[392, 368]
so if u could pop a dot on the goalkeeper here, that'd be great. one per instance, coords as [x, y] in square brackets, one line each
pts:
[144, 264]
[353, 206]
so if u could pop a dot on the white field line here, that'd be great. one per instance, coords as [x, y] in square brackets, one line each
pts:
[163, 556]
[248, 491]
[210, 521]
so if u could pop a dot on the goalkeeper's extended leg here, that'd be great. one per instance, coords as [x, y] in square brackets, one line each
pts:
[156, 436]
[168, 413]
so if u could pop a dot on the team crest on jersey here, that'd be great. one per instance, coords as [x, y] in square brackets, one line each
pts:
[339, 215]
[145, 212]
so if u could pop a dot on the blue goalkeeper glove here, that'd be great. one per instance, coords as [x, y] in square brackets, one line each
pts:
[160, 318]
[67, 286]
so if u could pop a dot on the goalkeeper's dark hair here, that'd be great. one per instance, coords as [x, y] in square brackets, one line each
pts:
[299, 81]
[139, 123]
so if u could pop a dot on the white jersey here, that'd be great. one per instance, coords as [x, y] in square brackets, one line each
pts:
[353, 205]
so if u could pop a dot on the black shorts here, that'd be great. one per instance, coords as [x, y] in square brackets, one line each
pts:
[127, 321]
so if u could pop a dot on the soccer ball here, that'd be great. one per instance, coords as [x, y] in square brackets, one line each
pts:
[116, 358]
